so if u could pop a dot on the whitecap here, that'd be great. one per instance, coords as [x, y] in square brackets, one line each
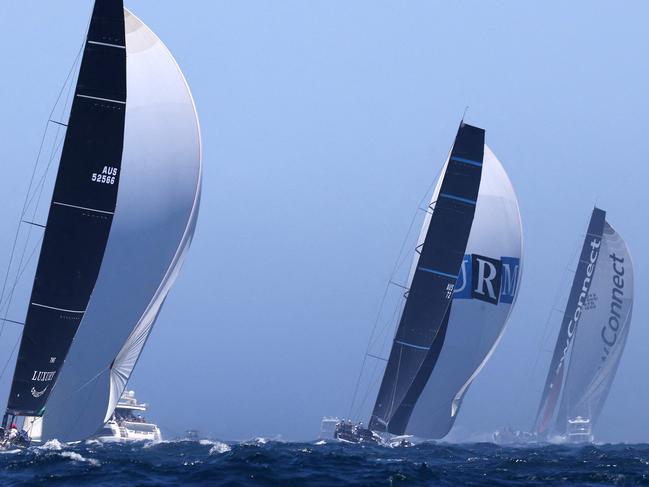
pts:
[52, 445]
[219, 448]
[75, 457]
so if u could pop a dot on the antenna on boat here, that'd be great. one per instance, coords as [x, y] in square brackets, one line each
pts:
[466, 109]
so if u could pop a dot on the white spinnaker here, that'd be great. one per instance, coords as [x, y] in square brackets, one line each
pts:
[157, 207]
[475, 326]
[601, 333]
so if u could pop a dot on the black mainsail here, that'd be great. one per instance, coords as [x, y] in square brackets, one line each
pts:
[576, 301]
[80, 214]
[431, 290]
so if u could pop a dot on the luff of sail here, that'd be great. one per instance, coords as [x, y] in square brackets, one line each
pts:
[581, 284]
[601, 335]
[80, 214]
[433, 281]
[157, 208]
[483, 299]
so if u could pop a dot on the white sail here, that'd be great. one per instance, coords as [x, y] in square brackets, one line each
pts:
[484, 296]
[601, 333]
[157, 207]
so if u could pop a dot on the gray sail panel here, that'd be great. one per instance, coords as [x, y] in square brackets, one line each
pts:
[601, 335]
[80, 215]
[581, 284]
[434, 278]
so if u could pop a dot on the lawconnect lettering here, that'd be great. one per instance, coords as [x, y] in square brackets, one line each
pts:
[610, 329]
[594, 254]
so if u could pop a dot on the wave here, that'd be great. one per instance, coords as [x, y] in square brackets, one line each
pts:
[263, 461]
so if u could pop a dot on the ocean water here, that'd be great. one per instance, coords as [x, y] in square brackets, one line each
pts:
[263, 462]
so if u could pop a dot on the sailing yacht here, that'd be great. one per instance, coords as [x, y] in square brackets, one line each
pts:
[591, 338]
[121, 219]
[462, 286]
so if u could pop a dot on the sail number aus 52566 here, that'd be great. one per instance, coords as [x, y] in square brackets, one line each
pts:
[107, 175]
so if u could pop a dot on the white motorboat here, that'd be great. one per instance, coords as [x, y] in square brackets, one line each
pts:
[127, 422]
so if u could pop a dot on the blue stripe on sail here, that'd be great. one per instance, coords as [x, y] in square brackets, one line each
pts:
[458, 198]
[419, 347]
[439, 273]
[466, 161]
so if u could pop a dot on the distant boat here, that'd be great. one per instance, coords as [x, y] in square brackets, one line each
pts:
[462, 285]
[121, 219]
[592, 336]
[128, 423]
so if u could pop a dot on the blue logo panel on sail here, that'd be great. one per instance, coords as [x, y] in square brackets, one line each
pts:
[509, 278]
[494, 284]
[463, 283]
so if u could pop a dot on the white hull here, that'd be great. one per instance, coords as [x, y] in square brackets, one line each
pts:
[128, 431]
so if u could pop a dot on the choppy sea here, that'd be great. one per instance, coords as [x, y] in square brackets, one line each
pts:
[262, 462]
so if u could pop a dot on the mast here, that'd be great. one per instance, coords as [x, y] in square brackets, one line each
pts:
[578, 293]
[80, 215]
[431, 291]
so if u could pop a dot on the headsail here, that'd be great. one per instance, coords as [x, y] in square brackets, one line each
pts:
[80, 214]
[433, 280]
[157, 207]
[601, 335]
[577, 302]
[482, 302]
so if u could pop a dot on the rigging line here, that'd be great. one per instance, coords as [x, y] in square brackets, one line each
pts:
[374, 378]
[41, 181]
[394, 389]
[31, 181]
[18, 322]
[384, 297]
[546, 330]
[15, 283]
[41, 186]
[13, 351]
[396, 267]
[24, 268]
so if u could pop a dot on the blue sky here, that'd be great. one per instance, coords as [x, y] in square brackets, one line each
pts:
[323, 124]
